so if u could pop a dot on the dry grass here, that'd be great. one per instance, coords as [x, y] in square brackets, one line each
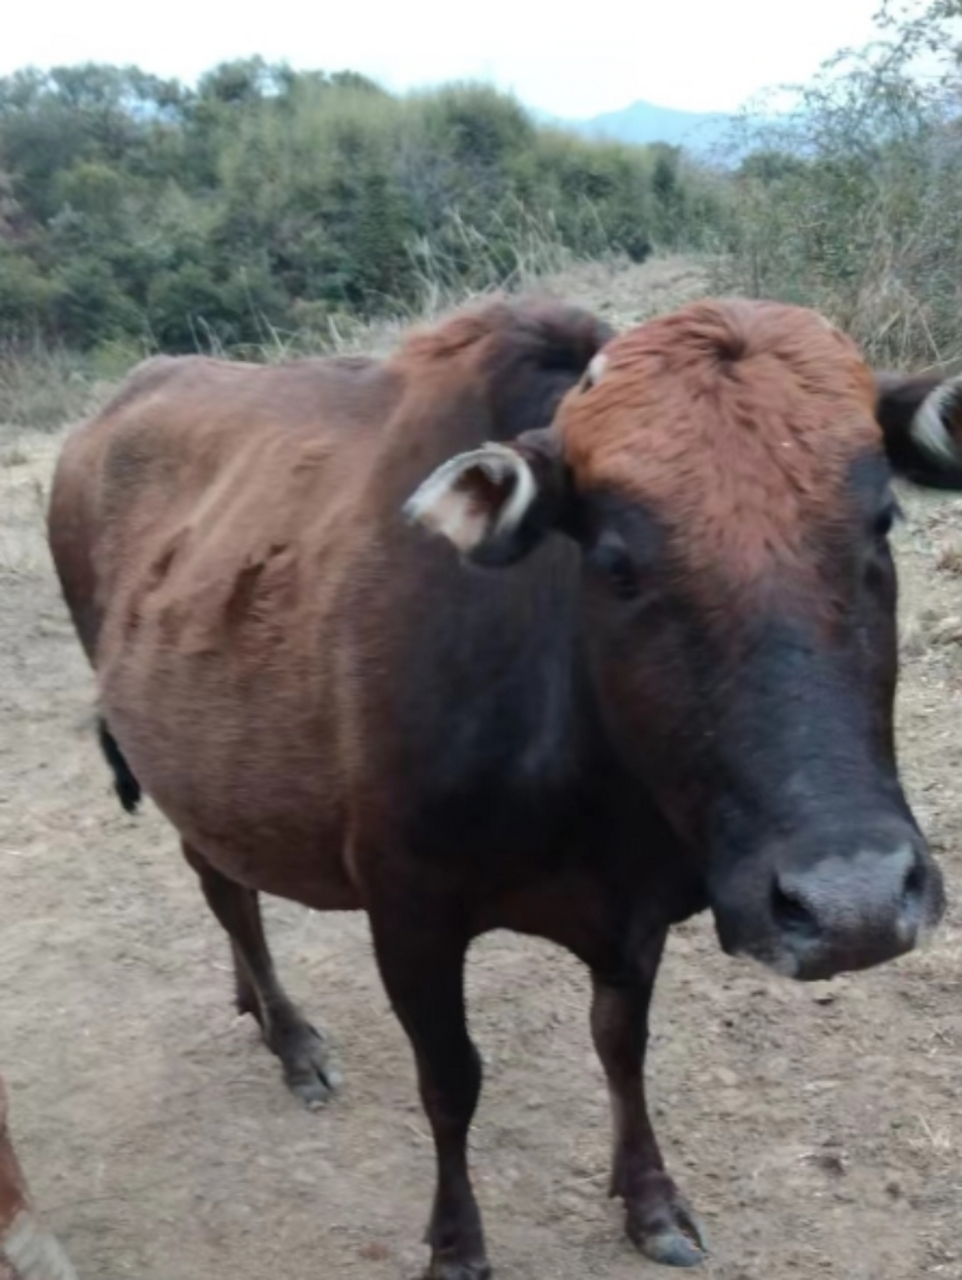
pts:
[25, 471]
[949, 559]
[626, 294]
[41, 390]
[44, 390]
[621, 292]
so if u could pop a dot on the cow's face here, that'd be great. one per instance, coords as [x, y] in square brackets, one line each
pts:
[723, 473]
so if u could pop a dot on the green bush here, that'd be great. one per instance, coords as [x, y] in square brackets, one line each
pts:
[133, 208]
[24, 296]
[850, 203]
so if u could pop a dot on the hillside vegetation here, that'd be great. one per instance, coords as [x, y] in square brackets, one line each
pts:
[268, 212]
[851, 203]
[266, 203]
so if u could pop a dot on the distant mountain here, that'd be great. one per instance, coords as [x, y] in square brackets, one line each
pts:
[644, 122]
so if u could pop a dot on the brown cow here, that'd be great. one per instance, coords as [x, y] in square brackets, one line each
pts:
[27, 1251]
[670, 687]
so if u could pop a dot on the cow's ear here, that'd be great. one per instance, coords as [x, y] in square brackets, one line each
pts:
[496, 503]
[921, 419]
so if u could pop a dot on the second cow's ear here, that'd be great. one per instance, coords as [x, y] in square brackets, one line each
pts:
[496, 503]
[921, 419]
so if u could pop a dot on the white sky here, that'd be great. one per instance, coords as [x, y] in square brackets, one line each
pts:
[572, 60]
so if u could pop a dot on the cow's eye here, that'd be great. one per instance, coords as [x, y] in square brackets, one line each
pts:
[613, 561]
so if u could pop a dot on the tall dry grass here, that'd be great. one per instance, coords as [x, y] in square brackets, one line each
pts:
[850, 202]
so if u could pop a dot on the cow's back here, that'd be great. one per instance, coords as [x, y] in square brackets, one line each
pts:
[179, 431]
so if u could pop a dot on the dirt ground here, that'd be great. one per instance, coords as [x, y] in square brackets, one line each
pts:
[818, 1129]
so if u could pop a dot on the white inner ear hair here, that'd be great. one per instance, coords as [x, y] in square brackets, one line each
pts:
[34, 1253]
[448, 503]
[928, 428]
[596, 367]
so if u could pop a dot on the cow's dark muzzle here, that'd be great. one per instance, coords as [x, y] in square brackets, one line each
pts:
[810, 914]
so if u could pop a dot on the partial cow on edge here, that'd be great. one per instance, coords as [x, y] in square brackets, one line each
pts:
[27, 1251]
[670, 687]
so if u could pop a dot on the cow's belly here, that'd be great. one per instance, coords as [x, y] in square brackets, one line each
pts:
[247, 774]
[293, 852]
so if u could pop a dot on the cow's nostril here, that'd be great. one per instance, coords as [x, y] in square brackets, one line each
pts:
[791, 914]
[913, 886]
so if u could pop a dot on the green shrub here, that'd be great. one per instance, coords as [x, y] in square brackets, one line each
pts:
[851, 203]
[132, 208]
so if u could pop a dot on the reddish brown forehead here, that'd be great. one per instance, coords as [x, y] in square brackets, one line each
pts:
[736, 421]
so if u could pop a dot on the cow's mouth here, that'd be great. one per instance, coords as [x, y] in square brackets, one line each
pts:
[833, 914]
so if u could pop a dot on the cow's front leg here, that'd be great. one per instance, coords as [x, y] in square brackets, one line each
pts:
[27, 1250]
[421, 958]
[659, 1220]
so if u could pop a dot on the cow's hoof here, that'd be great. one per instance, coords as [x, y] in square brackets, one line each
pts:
[674, 1248]
[309, 1067]
[33, 1253]
[450, 1269]
[666, 1228]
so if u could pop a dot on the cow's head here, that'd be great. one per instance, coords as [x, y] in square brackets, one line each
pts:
[726, 472]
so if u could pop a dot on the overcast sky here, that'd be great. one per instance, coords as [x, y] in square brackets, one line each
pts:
[571, 59]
